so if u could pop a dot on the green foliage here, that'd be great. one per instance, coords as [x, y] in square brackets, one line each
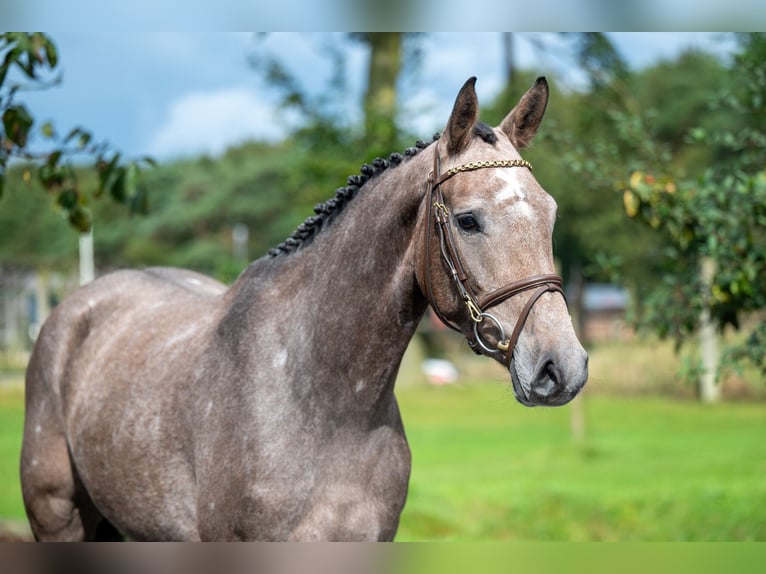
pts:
[270, 188]
[34, 235]
[720, 215]
[683, 143]
[195, 203]
[34, 58]
[679, 94]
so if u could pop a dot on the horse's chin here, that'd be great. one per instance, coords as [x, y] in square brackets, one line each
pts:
[518, 389]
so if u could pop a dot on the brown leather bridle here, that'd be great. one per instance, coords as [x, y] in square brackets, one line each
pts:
[477, 306]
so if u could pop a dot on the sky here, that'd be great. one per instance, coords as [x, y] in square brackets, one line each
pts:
[184, 94]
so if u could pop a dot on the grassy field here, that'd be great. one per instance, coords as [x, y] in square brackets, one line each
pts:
[12, 515]
[654, 464]
[649, 469]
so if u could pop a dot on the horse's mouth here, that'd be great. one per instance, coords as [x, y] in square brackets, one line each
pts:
[519, 391]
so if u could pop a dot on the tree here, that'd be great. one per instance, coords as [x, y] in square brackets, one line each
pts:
[380, 101]
[577, 160]
[31, 62]
[390, 55]
[715, 218]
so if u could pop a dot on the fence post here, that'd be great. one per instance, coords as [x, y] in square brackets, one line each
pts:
[87, 265]
[577, 408]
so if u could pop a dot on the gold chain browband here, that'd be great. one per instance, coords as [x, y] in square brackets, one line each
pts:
[482, 164]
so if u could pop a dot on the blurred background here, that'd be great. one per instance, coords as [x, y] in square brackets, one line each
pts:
[204, 150]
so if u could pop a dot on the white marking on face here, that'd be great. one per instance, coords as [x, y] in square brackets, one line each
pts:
[38, 428]
[520, 209]
[359, 386]
[193, 281]
[513, 188]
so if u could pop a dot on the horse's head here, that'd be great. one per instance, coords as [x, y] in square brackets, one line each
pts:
[486, 254]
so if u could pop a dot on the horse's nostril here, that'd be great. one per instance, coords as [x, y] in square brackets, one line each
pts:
[546, 383]
[552, 372]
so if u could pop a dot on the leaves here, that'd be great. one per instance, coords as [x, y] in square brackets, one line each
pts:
[33, 55]
[47, 130]
[718, 214]
[17, 123]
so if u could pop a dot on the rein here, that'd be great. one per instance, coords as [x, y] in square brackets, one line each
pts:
[438, 212]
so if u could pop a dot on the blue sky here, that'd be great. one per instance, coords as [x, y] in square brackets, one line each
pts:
[188, 93]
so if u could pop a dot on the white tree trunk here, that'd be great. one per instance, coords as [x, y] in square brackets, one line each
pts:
[710, 390]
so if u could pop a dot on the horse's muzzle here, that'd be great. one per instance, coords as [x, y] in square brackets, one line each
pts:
[553, 384]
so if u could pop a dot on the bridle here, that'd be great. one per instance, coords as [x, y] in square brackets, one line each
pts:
[477, 306]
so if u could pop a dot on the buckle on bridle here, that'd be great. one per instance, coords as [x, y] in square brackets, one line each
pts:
[473, 310]
[442, 213]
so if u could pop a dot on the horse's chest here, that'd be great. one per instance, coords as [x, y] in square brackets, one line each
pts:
[341, 490]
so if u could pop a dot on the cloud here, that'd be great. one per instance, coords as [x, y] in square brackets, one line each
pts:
[209, 122]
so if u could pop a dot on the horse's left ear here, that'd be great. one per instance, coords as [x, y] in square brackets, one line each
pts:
[521, 124]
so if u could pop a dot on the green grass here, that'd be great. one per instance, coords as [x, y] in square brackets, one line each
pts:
[11, 424]
[649, 469]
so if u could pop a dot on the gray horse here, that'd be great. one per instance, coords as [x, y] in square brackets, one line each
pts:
[162, 405]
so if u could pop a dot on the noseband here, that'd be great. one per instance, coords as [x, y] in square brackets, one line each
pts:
[477, 306]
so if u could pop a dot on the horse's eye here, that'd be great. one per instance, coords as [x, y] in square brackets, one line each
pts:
[467, 222]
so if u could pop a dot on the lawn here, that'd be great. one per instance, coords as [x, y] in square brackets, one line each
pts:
[650, 468]
[11, 421]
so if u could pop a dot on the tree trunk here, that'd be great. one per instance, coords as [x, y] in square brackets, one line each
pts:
[87, 265]
[710, 391]
[380, 97]
[508, 57]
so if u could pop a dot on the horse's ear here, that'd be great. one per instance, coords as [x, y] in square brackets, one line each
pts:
[463, 117]
[521, 124]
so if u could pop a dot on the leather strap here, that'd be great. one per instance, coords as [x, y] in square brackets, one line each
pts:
[503, 293]
[541, 290]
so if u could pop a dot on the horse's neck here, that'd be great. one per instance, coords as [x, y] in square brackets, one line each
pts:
[364, 270]
[345, 306]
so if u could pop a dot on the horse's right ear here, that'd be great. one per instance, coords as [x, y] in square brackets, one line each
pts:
[463, 118]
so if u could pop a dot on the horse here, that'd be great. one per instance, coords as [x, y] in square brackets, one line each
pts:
[163, 405]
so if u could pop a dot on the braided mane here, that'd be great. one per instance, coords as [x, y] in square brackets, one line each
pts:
[327, 211]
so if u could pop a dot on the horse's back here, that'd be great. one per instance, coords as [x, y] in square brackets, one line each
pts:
[137, 310]
[109, 373]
